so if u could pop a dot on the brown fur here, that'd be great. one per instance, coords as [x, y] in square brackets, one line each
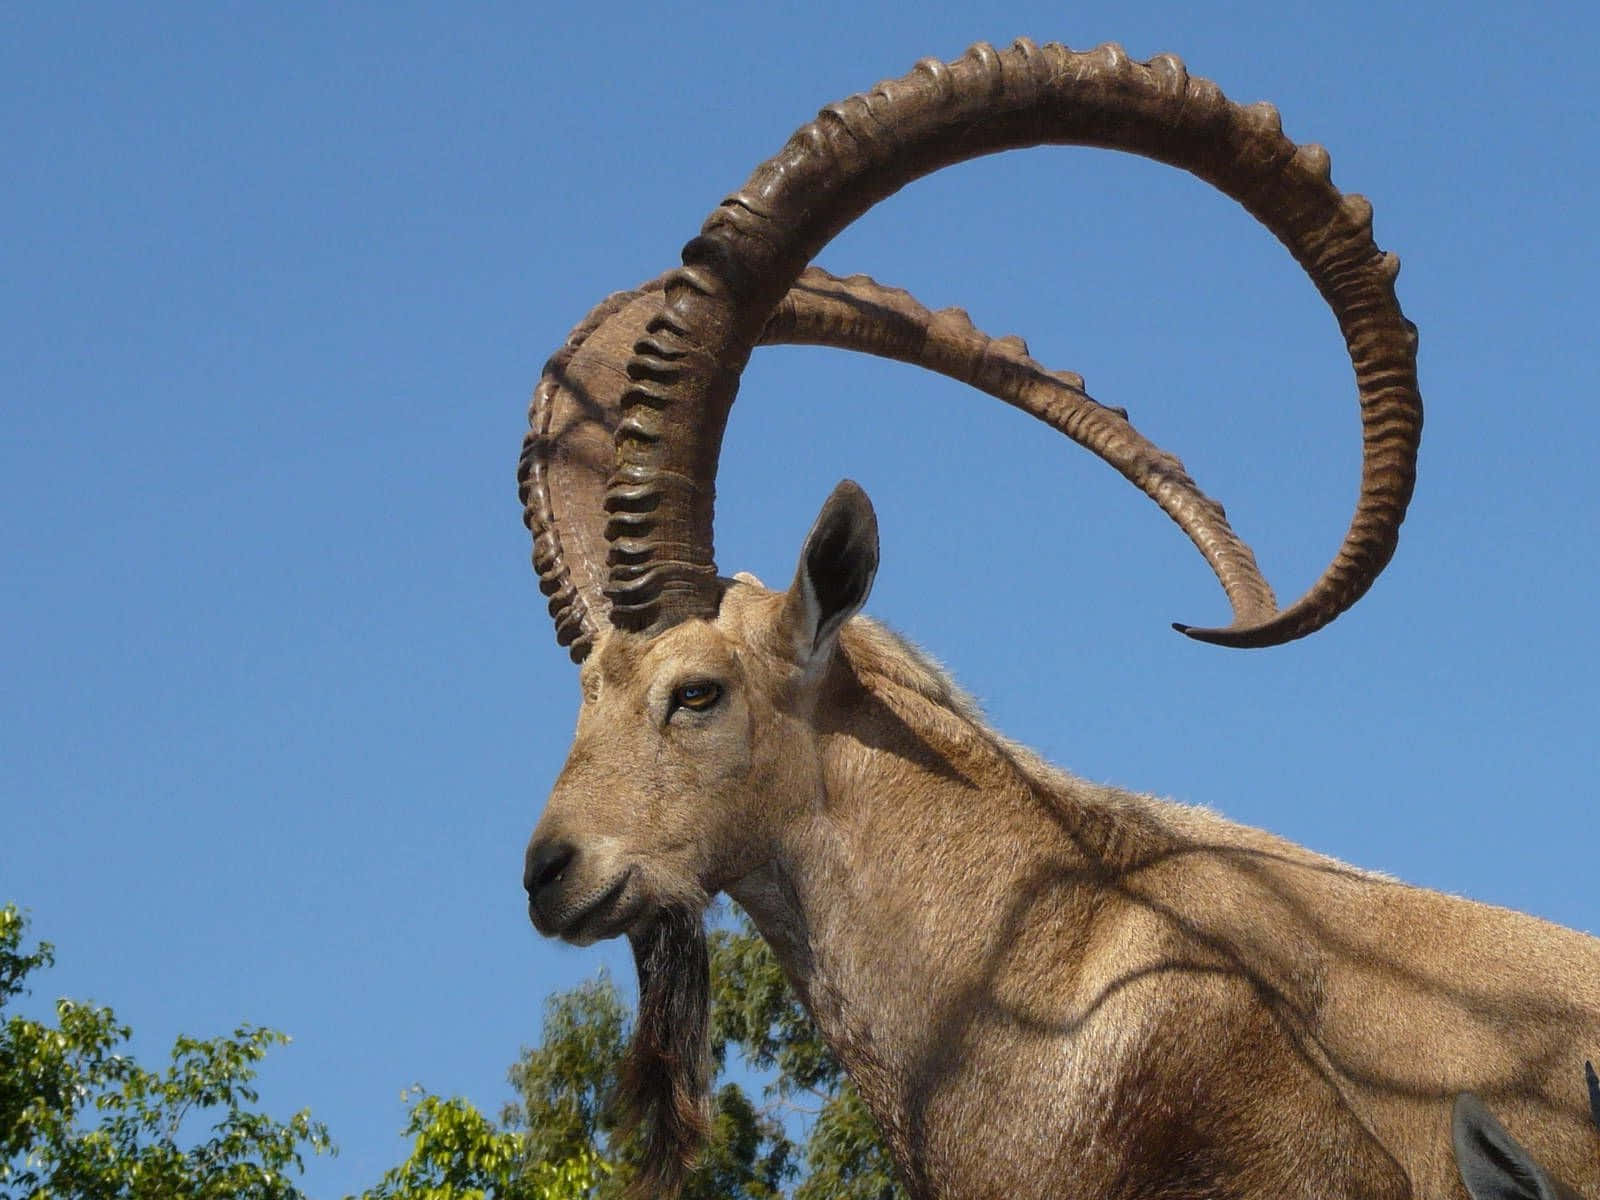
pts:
[661, 1091]
[1045, 987]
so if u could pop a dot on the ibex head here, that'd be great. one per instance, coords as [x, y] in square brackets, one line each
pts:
[680, 733]
[698, 724]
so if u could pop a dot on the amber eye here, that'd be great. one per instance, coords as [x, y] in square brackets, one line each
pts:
[697, 696]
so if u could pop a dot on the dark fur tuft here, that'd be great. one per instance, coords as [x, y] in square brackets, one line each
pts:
[662, 1086]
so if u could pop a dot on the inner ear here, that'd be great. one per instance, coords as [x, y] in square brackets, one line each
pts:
[837, 565]
[840, 561]
[1492, 1163]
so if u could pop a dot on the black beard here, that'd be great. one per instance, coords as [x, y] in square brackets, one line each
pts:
[662, 1087]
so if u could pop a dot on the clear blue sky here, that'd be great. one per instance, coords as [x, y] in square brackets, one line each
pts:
[279, 702]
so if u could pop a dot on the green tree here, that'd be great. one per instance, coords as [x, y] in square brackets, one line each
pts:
[563, 1083]
[459, 1154]
[80, 1120]
[754, 1009]
[559, 1141]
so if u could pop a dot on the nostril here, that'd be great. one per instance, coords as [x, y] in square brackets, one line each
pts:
[545, 863]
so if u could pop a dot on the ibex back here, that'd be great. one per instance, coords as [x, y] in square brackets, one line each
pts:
[1042, 987]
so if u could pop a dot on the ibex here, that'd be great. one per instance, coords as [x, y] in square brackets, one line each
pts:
[1041, 986]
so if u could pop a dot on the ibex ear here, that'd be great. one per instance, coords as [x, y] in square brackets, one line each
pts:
[1493, 1164]
[835, 573]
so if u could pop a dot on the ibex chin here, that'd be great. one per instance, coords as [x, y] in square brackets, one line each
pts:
[1041, 986]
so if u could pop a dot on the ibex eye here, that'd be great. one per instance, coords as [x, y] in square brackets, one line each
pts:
[696, 696]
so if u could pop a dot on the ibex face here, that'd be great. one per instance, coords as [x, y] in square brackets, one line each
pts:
[695, 746]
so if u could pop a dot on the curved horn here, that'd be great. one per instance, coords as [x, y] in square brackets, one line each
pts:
[859, 314]
[684, 371]
[567, 455]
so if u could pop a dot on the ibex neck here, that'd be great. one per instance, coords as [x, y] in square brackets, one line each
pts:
[924, 910]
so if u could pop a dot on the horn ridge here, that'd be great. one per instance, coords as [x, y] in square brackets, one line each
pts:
[577, 624]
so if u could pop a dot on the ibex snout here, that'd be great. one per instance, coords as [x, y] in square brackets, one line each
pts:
[546, 862]
[576, 896]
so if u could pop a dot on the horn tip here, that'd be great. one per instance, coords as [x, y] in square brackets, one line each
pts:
[1238, 637]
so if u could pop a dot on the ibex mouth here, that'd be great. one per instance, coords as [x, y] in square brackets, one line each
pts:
[612, 912]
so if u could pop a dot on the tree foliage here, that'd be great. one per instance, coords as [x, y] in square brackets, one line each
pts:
[755, 1011]
[558, 1141]
[459, 1154]
[80, 1120]
[755, 1018]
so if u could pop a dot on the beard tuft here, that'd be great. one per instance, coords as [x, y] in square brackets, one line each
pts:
[662, 1087]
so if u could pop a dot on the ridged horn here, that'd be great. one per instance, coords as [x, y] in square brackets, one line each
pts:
[567, 455]
[684, 370]
[859, 314]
